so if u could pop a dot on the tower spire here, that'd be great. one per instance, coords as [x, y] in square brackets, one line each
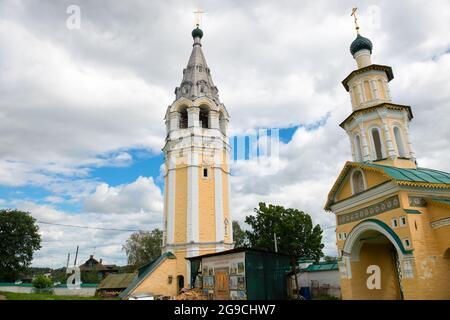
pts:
[197, 81]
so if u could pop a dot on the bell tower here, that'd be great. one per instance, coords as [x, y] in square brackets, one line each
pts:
[197, 217]
[378, 128]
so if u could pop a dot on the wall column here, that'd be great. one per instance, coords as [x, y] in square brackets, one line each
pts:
[192, 231]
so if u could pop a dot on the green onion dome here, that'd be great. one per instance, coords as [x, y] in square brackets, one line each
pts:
[197, 33]
[360, 43]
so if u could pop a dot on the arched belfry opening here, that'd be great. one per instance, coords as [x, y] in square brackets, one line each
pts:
[183, 118]
[204, 117]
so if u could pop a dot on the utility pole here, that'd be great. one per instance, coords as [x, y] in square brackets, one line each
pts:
[275, 239]
[76, 256]
[68, 260]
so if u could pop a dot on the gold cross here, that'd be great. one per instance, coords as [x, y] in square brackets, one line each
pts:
[198, 17]
[356, 19]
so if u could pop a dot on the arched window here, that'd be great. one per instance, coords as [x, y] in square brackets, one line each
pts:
[204, 117]
[222, 123]
[357, 182]
[377, 146]
[183, 118]
[358, 149]
[399, 142]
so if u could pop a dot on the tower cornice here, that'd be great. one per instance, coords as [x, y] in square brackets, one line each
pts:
[376, 67]
[390, 106]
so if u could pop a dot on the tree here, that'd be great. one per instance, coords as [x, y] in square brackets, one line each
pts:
[330, 259]
[42, 282]
[143, 247]
[19, 238]
[239, 237]
[293, 229]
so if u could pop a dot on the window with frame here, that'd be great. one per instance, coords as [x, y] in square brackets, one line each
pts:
[394, 223]
[407, 243]
[402, 221]
[377, 145]
[357, 181]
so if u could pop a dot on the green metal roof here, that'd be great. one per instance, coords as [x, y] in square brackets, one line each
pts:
[414, 175]
[321, 266]
[360, 43]
[412, 211]
[441, 200]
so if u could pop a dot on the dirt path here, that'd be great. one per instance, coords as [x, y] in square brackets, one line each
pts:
[2, 297]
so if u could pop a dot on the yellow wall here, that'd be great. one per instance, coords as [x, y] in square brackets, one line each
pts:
[180, 204]
[372, 254]
[207, 220]
[372, 179]
[157, 282]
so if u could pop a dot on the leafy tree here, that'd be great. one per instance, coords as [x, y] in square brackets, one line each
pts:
[42, 282]
[239, 237]
[330, 259]
[143, 246]
[293, 229]
[19, 238]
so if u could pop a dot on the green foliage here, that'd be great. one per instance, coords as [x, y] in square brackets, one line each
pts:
[330, 259]
[19, 239]
[143, 246]
[295, 232]
[239, 236]
[42, 282]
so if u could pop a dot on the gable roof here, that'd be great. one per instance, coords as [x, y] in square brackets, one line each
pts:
[420, 177]
[144, 271]
[116, 281]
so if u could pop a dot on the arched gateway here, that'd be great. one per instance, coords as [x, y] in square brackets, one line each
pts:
[373, 253]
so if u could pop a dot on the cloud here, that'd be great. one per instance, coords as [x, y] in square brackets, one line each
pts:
[141, 195]
[74, 101]
[134, 206]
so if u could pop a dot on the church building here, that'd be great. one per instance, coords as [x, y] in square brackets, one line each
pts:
[197, 218]
[392, 216]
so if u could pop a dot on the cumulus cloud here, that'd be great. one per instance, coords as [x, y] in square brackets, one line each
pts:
[141, 195]
[76, 100]
[134, 206]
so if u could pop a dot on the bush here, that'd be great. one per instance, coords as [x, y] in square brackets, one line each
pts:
[42, 282]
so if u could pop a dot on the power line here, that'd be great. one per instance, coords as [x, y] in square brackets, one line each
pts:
[86, 227]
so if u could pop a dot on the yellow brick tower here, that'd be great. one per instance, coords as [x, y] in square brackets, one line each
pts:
[197, 217]
[392, 216]
[197, 176]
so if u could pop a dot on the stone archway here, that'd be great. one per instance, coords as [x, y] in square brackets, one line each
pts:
[372, 259]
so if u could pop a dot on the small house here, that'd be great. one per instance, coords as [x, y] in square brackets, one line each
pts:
[241, 274]
[114, 284]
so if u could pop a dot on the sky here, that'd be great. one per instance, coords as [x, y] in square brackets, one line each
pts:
[81, 109]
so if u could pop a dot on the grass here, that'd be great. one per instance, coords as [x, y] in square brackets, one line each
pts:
[41, 296]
